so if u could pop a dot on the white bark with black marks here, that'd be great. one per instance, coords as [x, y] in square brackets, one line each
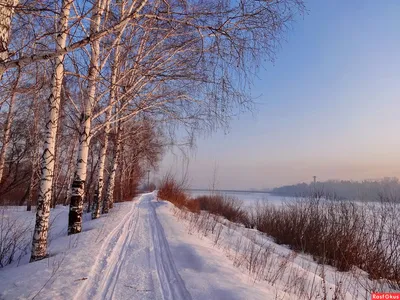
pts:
[109, 199]
[78, 185]
[6, 15]
[70, 173]
[100, 177]
[100, 184]
[132, 13]
[39, 242]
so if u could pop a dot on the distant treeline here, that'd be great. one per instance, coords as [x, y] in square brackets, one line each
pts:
[366, 190]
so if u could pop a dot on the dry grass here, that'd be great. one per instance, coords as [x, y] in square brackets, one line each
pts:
[341, 234]
[14, 237]
[252, 254]
[224, 206]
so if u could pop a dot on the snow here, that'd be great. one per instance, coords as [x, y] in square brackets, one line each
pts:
[144, 249]
[248, 199]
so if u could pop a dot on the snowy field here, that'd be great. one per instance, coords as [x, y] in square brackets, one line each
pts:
[147, 249]
[248, 198]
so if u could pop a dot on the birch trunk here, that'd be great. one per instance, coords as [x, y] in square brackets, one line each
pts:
[121, 165]
[6, 14]
[70, 177]
[66, 178]
[32, 185]
[56, 169]
[39, 242]
[78, 185]
[34, 155]
[100, 179]
[7, 128]
[109, 199]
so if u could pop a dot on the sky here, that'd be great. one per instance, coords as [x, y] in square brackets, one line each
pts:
[328, 106]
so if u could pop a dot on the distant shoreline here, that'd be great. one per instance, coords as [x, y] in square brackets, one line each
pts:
[229, 191]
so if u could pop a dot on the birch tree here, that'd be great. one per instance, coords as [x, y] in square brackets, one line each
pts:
[78, 185]
[144, 144]
[109, 197]
[98, 195]
[185, 62]
[40, 235]
[138, 145]
[205, 44]
[6, 14]
[34, 148]
[77, 43]
[7, 124]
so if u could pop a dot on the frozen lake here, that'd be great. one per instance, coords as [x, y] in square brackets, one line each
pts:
[248, 198]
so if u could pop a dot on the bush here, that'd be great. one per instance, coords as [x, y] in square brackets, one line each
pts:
[339, 233]
[174, 192]
[227, 207]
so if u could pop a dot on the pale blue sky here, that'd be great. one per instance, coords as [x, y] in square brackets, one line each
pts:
[329, 106]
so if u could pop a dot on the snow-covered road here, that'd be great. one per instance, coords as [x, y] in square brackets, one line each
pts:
[135, 261]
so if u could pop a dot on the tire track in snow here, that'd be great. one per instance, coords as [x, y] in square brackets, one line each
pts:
[107, 271]
[108, 286]
[171, 283]
[102, 275]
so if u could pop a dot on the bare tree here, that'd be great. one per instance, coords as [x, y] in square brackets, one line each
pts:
[185, 64]
[39, 242]
[103, 154]
[109, 197]
[98, 195]
[7, 124]
[6, 14]
[138, 146]
[35, 147]
[78, 185]
[204, 48]
[25, 60]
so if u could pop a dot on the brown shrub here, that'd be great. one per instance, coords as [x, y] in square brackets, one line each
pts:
[225, 206]
[339, 233]
[172, 191]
